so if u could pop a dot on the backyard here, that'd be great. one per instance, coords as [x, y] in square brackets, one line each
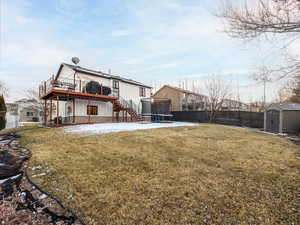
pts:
[206, 174]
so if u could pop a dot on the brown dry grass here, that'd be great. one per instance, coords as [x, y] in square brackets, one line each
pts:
[197, 175]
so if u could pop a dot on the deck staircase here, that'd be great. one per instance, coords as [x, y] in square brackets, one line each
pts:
[123, 105]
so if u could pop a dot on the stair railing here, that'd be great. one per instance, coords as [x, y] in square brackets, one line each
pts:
[129, 104]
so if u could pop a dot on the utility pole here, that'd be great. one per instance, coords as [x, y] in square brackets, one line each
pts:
[263, 76]
[265, 79]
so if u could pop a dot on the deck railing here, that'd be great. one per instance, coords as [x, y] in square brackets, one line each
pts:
[64, 84]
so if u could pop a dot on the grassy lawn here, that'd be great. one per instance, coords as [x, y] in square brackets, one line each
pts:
[207, 174]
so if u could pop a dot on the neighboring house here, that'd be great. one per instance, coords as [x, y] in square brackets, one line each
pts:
[29, 114]
[257, 107]
[234, 105]
[22, 111]
[283, 118]
[28, 110]
[181, 100]
[79, 95]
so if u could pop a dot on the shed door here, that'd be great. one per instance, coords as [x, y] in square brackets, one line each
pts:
[273, 121]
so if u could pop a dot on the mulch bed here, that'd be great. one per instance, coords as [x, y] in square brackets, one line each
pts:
[21, 201]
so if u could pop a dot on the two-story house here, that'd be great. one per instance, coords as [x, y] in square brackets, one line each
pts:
[78, 95]
[234, 105]
[181, 100]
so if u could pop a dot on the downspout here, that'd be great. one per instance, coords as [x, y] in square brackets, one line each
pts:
[74, 81]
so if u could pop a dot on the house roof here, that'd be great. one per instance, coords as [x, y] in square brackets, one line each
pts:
[180, 90]
[99, 74]
[291, 106]
[235, 101]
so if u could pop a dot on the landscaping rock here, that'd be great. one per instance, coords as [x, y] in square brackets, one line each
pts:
[21, 202]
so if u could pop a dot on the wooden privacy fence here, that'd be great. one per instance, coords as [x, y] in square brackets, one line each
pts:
[236, 118]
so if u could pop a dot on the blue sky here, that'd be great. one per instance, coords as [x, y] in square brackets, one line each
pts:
[156, 42]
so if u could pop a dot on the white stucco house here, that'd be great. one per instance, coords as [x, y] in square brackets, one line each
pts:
[78, 95]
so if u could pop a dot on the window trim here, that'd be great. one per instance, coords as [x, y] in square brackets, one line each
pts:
[90, 108]
[142, 92]
[29, 114]
[116, 84]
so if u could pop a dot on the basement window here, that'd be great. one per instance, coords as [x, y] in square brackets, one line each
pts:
[92, 110]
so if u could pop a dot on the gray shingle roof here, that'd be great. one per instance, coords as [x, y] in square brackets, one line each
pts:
[285, 106]
[105, 75]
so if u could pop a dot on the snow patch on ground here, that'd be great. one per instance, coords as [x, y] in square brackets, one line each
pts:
[102, 128]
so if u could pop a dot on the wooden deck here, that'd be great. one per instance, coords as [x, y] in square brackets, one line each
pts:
[64, 94]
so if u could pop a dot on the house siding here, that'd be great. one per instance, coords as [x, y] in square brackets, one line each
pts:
[92, 119]
[86, 78]
[23, 115]
[104, 108]
[175, 97]
[127, 91]
[66, 73]
[290, 121]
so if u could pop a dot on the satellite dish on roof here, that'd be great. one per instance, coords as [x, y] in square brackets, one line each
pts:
[75, 60]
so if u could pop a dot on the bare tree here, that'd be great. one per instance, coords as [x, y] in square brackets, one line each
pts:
[263, 76]
[262, 17]
[3, 88]
[277, 20]
[294, 90]
[218, 91]
[32, 97]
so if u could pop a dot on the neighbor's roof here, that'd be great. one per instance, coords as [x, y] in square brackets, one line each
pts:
[235, 101]
[180, 90]
[285, 106]
[100, 74]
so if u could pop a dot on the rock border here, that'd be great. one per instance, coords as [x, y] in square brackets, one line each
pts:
[23, 200]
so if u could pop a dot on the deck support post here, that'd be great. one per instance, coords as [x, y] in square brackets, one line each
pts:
[57, 110]
[45, 112]
[89, 112]
[126, 115]
[122, 115]
[50, 110]
[113, 113]
[73, 110]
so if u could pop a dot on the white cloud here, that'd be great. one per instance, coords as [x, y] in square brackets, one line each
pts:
[121, 33]
[165, 40]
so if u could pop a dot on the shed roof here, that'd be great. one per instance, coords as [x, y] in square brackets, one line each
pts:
[288, 106]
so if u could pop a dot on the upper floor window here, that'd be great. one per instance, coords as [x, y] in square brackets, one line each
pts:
[142, 92]
[115, 84]
[92, 110]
